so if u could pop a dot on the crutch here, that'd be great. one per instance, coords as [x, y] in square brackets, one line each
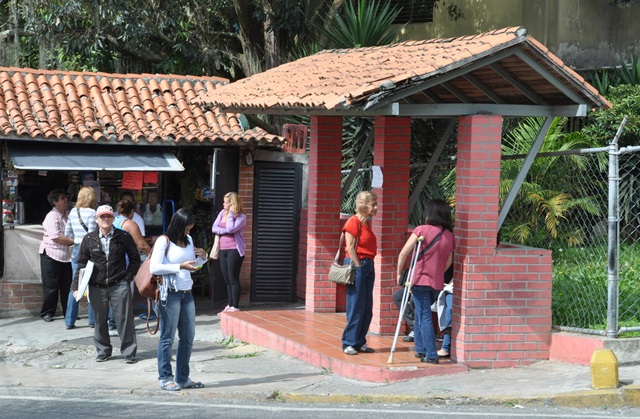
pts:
[405, 294]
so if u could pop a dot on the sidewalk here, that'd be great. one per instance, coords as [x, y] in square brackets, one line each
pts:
[35, 355]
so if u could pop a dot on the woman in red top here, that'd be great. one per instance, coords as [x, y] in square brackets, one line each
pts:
[428, 279]
[361, 248]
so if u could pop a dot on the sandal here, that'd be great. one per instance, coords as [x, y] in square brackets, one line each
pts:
[443, 354]
[192, 384]
[169, 385]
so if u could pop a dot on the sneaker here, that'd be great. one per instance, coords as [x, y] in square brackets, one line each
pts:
[113, 332]
[131, 360]
[223, 311]
[408, 338]
[232, 310]
[102, 358]
[430, 360]
[71, 327]
[349, 350]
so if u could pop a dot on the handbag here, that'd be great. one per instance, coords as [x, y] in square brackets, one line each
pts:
[147, 284]
[215, 249]
[343, 274]
[405, 273]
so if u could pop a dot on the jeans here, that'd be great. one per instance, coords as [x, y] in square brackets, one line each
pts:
[177, 313]
[359, 305]
[424, 334]
[230, 264]
[447, 315]
[72, 305]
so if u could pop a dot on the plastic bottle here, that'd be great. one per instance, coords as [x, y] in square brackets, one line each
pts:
[147, 215]
[157, 216]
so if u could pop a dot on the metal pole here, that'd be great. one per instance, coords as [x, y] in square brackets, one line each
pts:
[612, 259]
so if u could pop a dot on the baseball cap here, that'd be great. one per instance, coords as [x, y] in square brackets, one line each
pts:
[104, 209]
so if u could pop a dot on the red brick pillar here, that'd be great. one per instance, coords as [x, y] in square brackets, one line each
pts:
[245, 193]
[392, 153]
[502, 295]
[323, 215]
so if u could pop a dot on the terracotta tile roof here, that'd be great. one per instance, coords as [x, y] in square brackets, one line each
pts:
[84, 107]
[447, 71]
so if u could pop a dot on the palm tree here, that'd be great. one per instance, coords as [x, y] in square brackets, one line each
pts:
[559, 196]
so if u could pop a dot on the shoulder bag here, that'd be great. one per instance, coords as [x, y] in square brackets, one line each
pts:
[82, 222]
[343, 274]
[405, 273]
[147, 284]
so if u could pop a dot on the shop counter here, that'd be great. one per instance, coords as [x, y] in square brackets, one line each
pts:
[21, 257]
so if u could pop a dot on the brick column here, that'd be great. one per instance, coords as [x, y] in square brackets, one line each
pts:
[392, 153]
[502, 295]
[245, 193]
[323, 215]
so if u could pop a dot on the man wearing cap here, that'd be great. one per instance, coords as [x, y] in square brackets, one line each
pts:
[107, 247]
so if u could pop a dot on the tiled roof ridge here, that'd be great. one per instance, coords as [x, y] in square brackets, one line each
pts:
[99, 74]
[513, 29]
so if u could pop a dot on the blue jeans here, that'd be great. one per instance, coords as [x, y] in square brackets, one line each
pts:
[447, 315]
[177, 313]
[424, 336]
[359, 305]
[72, 305]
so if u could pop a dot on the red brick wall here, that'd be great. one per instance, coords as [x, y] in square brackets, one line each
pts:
[502, 296]
[245, 193]
[20, 299]
[392, 153]
[323, 215]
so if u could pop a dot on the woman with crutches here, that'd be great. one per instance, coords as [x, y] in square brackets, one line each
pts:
[428, 274]
[406, 294]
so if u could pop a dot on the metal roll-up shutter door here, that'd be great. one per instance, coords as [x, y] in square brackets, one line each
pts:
[276, 206]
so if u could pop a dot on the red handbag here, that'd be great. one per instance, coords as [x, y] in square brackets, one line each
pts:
[147, 284]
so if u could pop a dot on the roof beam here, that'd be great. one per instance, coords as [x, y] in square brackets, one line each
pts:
[483, 88]
[549, 77]
[444, 110]
[533, 96]
[445, 75]
[439, 110]
[457, 93]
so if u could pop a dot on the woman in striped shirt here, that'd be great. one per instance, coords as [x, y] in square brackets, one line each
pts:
[81, 220]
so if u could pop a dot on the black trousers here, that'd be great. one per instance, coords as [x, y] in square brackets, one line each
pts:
[56, 283]
[408, 312]
[230, 264]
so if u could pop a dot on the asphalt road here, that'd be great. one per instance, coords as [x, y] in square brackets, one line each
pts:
[74, 405]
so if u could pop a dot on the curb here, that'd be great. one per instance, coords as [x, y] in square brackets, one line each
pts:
[629, 397]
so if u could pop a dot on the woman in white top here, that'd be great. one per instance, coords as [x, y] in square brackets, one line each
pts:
[176, 306]
[80, 221]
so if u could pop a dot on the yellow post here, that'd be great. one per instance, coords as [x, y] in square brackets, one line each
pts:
[604, 369]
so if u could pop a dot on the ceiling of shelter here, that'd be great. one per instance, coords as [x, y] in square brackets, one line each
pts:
[502, 72]
[100, 108]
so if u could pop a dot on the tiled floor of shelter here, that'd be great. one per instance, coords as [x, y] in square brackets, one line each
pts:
[315, 338]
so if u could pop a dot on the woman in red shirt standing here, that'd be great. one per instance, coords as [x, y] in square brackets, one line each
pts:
[361, 248]
[428, 279]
